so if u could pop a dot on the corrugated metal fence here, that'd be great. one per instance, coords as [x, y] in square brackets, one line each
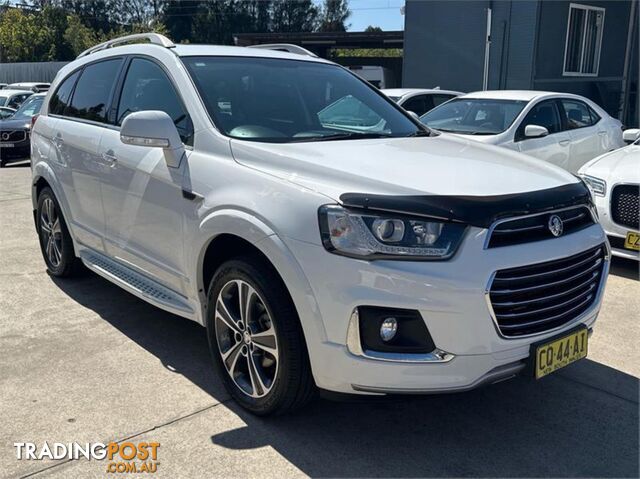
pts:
[36, 71]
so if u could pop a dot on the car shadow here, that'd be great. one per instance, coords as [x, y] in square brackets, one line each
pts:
[627, 268]
[580, 422]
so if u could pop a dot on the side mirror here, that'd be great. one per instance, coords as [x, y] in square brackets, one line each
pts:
[153, 129]
[414, 115]
[535, 131]
[631, 135]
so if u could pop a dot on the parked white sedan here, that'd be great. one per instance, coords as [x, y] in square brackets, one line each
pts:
[563, 129]
[420, 100]
[614, 180]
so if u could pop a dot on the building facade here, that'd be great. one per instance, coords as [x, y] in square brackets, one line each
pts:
[587, 47]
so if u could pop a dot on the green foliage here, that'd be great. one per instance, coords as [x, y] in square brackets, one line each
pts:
[372, 29]
[367, 52]
[334, 15]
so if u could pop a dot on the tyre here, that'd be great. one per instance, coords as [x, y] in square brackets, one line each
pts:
[55, 241]
[256, 340]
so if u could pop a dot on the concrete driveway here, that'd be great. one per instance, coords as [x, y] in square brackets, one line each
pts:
[81, 360]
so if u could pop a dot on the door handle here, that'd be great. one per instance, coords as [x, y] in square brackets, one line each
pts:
[109, 158]
[564, 142]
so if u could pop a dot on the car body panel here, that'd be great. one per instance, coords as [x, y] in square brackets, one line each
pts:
[160, 220]
[619, 167]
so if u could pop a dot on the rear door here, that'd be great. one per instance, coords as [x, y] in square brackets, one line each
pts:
[556, 146]
[581, 122]
[80, 123]
[142, 195]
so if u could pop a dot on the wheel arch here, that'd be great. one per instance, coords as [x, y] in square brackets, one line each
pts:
[236, 233]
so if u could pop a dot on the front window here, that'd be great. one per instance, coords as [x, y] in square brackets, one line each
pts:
[29, 108]
[474, 116]
[584, 40]
[285, 101]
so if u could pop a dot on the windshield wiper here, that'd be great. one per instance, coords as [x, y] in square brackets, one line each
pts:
[341, 136]
[419, 133]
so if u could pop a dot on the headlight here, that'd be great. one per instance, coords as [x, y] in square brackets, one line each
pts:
[597, 186]
[372, 236]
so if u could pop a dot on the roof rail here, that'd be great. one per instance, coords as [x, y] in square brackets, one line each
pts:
[154, 38]
[285, 47]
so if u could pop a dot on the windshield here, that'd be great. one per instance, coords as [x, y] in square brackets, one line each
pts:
[29, 108]
[474, 116]
[284, 101]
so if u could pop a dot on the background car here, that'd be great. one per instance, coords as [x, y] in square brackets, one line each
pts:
[36, 87]
[15, 132]
[614, 180]
[418, 100]
[6, 112]
[563, 129]
[13, 98]
[3, 86]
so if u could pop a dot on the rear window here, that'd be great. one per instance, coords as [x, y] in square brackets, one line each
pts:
[93, 91]
[60, 100]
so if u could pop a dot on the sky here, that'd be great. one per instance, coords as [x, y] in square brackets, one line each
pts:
[381, 13]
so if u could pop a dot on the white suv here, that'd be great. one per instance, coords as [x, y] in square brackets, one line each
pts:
[354, 252]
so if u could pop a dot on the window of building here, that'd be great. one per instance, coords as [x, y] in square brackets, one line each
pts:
[584, 40]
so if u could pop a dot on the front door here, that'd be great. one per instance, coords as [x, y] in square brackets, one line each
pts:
[142, 196]
[556, 146]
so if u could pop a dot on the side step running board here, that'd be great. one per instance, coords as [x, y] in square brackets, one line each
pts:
[137, 284]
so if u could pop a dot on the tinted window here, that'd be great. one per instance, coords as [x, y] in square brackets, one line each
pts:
[17, 100]
[417, 104]
[29, 108]
[474, 116]
[440, 99]
[577, 114]
[147, 87]
[60, 100]
[91, 97]
[543, 114]
[277, 100]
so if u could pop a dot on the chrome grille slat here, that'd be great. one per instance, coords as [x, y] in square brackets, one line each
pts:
[548, 273]
[546, 320]
[532, 299]
[591, 280]
[548, 285]
[548, 308]
[535, 227]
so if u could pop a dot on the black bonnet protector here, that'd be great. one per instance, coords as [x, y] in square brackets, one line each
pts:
[479, 211]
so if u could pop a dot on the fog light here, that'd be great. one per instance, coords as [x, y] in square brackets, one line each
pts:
[388, 329]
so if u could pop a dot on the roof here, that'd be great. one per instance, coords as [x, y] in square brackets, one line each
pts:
[522, 95]
[410, 91]
[7, 92]
[221, 50]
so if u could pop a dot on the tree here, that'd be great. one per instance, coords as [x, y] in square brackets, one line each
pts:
[294, 16]
[78, 36]
[372, 29]
[22, 37]
[333, 16]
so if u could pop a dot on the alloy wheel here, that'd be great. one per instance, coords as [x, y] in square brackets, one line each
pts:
[246, 338]
[51, 232]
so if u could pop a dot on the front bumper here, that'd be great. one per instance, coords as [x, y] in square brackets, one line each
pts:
[616, 233]
[19, 151]
[450, 297]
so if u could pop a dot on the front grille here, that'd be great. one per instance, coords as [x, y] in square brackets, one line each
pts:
[12, 136]
[533, 299]
[624, 205]
[536, 227]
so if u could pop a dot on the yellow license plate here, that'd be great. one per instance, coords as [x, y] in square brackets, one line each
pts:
[559, 353]
[632, 241]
